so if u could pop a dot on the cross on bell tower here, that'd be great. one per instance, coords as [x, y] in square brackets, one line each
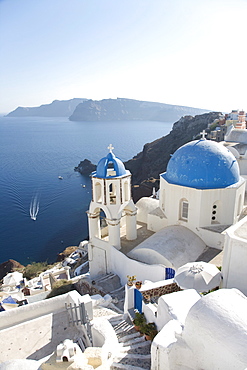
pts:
[110, 147]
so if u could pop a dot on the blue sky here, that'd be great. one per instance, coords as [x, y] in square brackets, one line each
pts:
[185, 52]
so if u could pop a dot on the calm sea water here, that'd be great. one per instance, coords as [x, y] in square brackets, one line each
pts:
[34, 152]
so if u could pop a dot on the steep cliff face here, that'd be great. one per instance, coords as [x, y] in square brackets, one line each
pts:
[147, 165]
[58, 108]
[9, 266]
[153, 159]
[130, 110]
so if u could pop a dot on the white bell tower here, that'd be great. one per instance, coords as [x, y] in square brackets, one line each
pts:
[111, 202]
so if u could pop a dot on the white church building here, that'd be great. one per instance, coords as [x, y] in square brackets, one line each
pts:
[201, 196]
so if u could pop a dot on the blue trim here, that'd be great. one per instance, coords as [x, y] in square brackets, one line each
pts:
[138, 300]
[103, 164]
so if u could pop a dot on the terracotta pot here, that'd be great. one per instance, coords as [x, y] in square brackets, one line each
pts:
[138, 284]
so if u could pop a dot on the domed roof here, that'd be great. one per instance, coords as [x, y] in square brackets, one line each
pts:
[202, 164]
[103, 171]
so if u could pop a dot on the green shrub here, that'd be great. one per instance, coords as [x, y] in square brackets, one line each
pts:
[139, 319]
[150, 330]
[61, 287]
[34, 269]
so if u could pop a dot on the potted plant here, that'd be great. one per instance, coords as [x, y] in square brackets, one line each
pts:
[139, 321]
[138, 284]
[131, 280]
[150, 331]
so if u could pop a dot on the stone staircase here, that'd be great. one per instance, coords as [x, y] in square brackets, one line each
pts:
[134, 352]
[110, 284]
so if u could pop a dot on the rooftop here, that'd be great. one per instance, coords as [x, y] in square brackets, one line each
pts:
[211, 255]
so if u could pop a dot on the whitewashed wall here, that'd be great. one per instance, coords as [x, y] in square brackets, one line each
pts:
[200, 204]
[37, 309]
[144, 206]
[213, 336]
[234, 269]
[33, 331]
[123, 266]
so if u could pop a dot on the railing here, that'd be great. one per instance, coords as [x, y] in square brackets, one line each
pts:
[78, 315]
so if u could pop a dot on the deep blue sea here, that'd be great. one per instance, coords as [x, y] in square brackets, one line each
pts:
[34, 152]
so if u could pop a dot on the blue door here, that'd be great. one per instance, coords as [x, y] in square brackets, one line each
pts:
[138, 300]
[170, 273]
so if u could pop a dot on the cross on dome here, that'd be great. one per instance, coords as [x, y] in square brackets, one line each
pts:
[204, 134]
[110, 147]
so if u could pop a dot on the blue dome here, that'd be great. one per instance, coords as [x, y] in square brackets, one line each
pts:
[202, 164]
[102, 167]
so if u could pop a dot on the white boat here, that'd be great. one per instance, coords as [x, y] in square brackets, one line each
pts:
[60, 177]
[34, 208]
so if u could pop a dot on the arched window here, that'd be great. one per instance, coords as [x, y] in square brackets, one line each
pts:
[126, 191]
[98, 193]
[103, 225]
[112, 193]
[184, 209]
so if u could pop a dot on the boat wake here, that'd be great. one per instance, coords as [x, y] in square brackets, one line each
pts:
[34, 207]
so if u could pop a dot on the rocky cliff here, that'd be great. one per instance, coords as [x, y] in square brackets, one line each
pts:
[154, 158]
[58, 108]
[9, 266]
[147, 165]
[130, 110]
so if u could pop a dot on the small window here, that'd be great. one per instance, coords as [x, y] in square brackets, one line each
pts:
[215, 213]
[184, 210]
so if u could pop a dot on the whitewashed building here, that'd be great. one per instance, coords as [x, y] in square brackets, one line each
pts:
[201, 196]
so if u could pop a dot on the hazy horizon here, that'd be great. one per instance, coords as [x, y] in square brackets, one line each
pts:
[184, 52]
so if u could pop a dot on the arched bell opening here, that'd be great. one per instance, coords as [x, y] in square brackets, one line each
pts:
[104, 230]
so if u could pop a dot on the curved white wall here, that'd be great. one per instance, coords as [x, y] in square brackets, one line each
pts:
[216, 331]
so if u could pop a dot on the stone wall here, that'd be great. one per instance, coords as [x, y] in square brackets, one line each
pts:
[158, 292]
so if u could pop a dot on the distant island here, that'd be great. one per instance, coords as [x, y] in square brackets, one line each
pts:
[58, 108]
[87, 110]
[130, 110]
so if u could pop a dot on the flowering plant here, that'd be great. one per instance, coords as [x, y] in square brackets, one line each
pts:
[131, 279]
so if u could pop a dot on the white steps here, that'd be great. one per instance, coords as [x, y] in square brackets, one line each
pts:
[116, 366]
[139, 361]
[134, 351]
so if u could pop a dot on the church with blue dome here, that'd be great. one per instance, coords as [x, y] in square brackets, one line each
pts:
[202, 164]
[201, 191]
[201, 196]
